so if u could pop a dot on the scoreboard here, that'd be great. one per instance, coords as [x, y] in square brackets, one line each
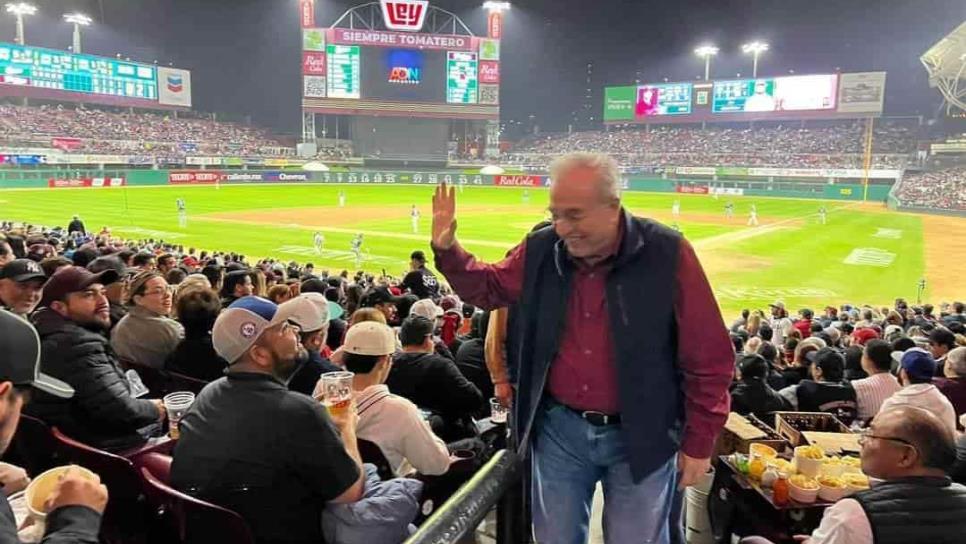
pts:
[375, 72]
[819, 96]
[63, 71]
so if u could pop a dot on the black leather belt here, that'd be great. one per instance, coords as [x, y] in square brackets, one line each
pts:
[599, 419]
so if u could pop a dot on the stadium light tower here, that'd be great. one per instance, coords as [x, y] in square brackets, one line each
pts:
[756, 48]
[78, 20]
[706, 51]
[19, 9]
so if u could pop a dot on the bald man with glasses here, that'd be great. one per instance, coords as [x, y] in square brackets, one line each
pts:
[911, 451]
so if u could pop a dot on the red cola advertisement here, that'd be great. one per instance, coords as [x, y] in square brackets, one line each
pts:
[518, 181]
[693, 190]
[192, 177]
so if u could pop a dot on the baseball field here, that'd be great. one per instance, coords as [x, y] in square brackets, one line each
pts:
[863, 254]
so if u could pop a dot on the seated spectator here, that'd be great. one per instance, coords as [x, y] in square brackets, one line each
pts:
[144, 262]
[853, 364]
[391, 422]
[471, 361]
[871, 392]
[6, 252]
[237, 284]
[279, 293]
[117, 291]
[53, 264]
[804, 325]
[310, 311]
[774, 379]
[146, 336]
[941, 341]
[337, 325]
[916, 371]
[71, 322]
[428, 309]
[21, 286]
[953, 385]
[381, 299]
[825, 392]
[419, 375]
[195, 355]
[76, 504]
[274, 456]
[360, 316]
[752, 394]
[798, 370]
[911, 451]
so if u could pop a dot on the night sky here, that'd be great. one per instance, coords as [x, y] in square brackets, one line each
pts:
[245, 60]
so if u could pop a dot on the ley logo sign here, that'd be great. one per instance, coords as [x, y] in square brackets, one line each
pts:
[405, 15]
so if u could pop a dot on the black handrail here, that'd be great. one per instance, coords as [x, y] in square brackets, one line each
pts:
[463, 512]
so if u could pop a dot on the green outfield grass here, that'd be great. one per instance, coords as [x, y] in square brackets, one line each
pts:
[789, 256]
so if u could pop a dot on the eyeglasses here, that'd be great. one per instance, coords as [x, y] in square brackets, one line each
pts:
[867, 435]
[169, 290]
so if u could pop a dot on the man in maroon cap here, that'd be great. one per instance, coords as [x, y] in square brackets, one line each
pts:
[72, 321]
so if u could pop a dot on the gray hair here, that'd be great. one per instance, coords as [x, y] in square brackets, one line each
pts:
[608, 173]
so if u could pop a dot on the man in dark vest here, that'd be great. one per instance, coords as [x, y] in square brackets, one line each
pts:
[917, 503]
[624, 360]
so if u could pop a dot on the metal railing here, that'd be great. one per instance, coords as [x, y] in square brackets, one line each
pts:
[495, 482]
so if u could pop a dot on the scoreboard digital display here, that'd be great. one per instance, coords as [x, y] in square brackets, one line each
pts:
[63, 71]
[819, 96]
[376, 72]
[343, 74]
[792, 93]
[663, 99]
[461, 78]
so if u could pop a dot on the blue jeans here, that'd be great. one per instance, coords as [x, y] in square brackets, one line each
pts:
[569, 457]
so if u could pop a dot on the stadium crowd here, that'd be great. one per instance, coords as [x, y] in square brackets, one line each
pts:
[158, 136]
[941, 189]
[834, 146]
[258, 338]
[103, 306]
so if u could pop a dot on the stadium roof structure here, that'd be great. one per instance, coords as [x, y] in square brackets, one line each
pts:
[369, 17]
[946, 63]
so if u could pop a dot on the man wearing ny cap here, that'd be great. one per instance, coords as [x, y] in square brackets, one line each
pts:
[21, 286]
[248, 431]
[420, 281]
[916, 371]
[72, 322]
[74, 508]
[391, 422]
[310, 312]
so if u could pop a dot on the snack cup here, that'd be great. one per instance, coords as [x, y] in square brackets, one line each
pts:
[42, 486]
[830, 494]
[806, 466]
[802, 495]
[836, 470]
[764, 450]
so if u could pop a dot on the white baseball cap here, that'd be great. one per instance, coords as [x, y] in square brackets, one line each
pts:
[240, 325]
[426, 308]
[310, 311]
[369, 338]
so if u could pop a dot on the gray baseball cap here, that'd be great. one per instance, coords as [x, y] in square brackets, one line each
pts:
[20, 363]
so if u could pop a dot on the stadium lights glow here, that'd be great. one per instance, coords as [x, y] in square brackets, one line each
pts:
[78, 20]
[756, 48]
[490, 5]
[20, 9]
[706, 51]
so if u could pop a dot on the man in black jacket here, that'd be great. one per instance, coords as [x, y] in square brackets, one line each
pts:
[753, 395]
[72, 320]
[74, 508]
[420, 281]
[826, 391]
[431, 381]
